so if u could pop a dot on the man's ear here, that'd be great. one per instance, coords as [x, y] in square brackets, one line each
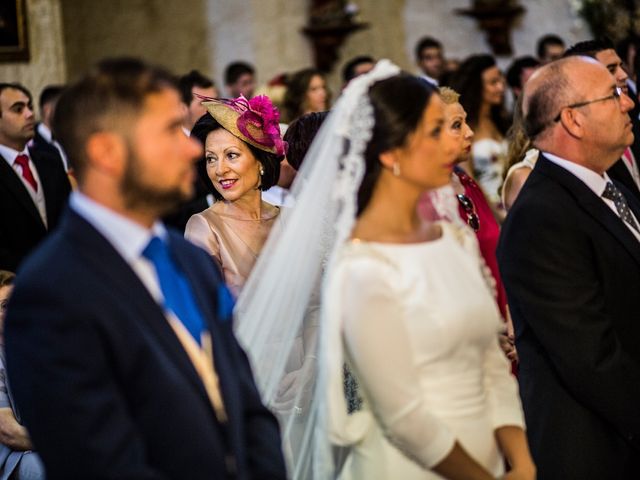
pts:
[573, 122]
[106, 152]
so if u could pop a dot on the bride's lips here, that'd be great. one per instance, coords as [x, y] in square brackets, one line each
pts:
[227, 184]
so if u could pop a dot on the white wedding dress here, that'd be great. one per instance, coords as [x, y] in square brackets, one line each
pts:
[418, 328]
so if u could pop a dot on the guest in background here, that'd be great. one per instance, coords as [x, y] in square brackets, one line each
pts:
[242, 151]
[550, 47]
[626, 170]
[43, 140]
[430, 59]
[298, 137]
[191, 85]
[627, 50]
[481, 86]
[17, 460]
[356, 66]
[33, 186]
[521, 159]
[306, 92]
[519, 72]
[240, 79]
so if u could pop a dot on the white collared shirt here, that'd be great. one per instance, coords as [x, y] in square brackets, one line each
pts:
[126, 236]
[10, 155]
[596, 183]
[45, 132]
[429, 79]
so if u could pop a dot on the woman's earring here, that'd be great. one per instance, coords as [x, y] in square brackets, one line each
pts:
[261, 170]
[396, 169]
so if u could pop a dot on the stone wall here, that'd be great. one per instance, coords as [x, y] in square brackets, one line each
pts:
[47, 64]
[171, 33]
[67, 36]
[462, 37]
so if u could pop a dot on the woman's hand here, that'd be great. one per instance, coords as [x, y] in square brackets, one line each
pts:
[507, 344]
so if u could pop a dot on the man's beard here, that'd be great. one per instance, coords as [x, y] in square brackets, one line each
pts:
[139, 194]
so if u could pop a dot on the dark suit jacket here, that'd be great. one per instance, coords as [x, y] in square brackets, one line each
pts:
[41, 145]
[103, 384]
[571, 269]
[21, 227]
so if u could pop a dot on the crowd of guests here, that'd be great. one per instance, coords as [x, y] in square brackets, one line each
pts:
[482, 250]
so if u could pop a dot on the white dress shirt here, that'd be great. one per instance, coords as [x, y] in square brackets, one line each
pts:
[429, 79]
[10, 155]
[126, 236]
[596, 183]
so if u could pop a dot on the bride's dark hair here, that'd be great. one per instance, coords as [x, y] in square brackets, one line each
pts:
[398, 105]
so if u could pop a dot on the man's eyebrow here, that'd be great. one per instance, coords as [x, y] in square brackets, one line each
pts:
[19, 104]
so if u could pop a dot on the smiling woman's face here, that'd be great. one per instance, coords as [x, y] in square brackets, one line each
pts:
[231, 166]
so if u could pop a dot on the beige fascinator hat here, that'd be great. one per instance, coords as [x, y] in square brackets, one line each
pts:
[254, 121]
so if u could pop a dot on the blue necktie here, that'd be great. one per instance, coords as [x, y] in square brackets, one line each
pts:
[178, 296]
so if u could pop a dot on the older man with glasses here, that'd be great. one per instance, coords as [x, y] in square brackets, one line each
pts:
[625, 170]
[569, 255]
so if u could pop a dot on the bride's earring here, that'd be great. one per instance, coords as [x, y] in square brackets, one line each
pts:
[396, 169]
[261, 170]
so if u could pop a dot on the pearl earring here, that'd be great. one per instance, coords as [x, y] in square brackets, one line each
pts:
[261, 170]
[396, 169]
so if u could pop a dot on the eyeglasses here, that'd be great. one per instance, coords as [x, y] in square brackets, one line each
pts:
[617, 92]
[470, 210]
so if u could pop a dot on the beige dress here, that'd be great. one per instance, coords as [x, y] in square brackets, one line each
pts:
[232, 241]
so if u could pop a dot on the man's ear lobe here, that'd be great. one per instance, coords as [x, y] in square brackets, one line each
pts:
[573, 122]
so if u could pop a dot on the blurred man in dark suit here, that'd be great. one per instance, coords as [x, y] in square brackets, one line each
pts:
[137, 373]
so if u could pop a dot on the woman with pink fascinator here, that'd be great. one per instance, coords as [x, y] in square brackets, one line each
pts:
[243, 150]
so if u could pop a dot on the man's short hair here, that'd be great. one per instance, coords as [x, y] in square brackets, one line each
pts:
[424, 43]
[16, 86]
[49, 93]
[192, 79]
[349, 70]
[589, 48]
[300, 135]
[545, 41]
[235, 70]
[515, 70]
[103, 99]
[542, 105]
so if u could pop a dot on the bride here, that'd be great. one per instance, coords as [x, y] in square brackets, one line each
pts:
[433, 396]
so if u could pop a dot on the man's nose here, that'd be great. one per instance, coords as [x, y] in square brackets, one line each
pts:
[626, 103]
